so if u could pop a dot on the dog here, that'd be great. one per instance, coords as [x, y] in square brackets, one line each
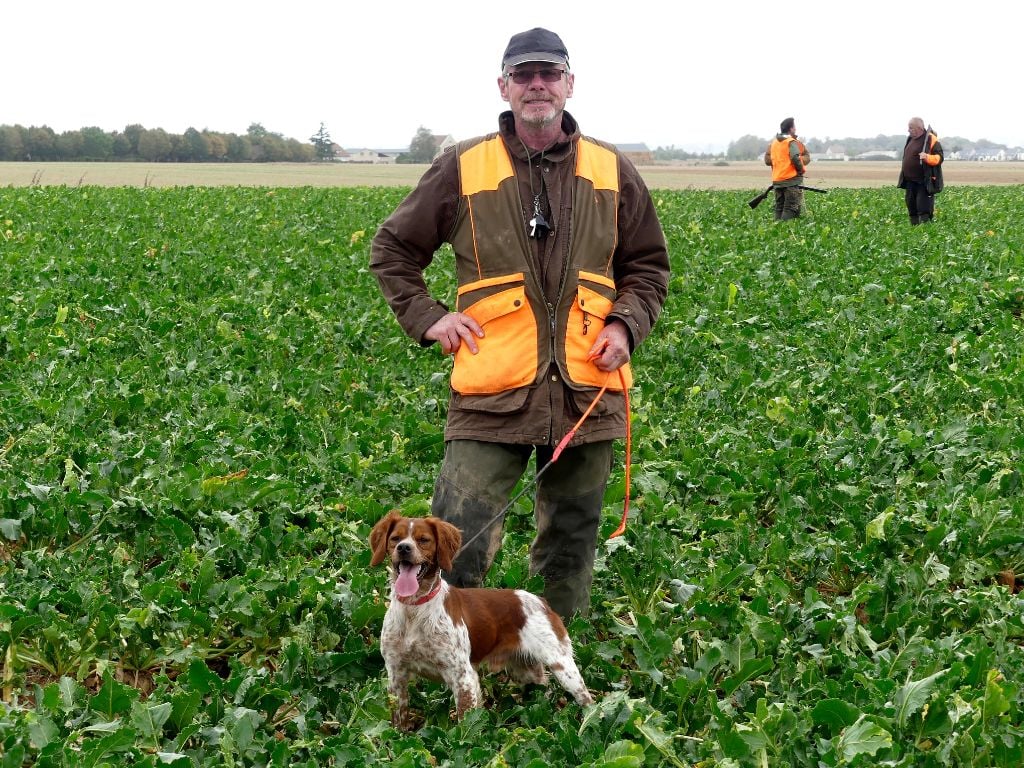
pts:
[440, 632]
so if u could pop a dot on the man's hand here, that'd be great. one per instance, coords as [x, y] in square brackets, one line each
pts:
[453, 329]
[611, 349]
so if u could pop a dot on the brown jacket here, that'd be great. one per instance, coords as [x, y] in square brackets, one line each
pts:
[405, 244]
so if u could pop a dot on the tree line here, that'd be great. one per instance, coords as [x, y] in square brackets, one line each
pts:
[136, 143]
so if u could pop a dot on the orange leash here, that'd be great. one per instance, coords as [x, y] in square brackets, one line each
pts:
[629, 440]
[629, 453]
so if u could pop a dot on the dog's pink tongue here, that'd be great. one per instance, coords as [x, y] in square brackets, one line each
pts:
[406, 583]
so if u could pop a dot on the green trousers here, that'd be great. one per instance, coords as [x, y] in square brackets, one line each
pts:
[474, 487]
[788, 203]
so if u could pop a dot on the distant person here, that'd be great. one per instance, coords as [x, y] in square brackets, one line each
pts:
[788, 158]
[562, 270]
[921, 173]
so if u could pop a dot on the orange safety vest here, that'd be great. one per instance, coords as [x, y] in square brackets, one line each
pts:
[498, 285]
[782, 167]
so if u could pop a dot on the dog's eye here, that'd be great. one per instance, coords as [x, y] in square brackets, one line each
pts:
[423, 540]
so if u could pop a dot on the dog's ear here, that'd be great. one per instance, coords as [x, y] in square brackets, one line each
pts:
[379, 537]
[449, 539]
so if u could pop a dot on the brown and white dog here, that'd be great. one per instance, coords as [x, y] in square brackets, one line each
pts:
[441, 632]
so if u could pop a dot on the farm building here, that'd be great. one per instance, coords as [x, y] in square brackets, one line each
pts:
[639, 154]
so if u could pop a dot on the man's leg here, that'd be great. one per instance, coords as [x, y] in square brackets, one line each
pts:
[780, 200]
[794, 200]
[925, 204]
[472, 489]
[910, 198]
[568, 509]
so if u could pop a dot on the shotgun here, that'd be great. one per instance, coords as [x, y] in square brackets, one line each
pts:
[761, 198]
[924, 147]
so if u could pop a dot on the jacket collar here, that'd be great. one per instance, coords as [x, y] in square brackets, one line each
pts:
[560, 151]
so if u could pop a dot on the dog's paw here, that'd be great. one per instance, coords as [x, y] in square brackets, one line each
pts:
[407, 721]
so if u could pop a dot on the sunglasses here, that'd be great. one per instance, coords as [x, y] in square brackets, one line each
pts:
[525, 76]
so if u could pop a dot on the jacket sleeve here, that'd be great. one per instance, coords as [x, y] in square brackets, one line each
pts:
[640, 261]
[794, 156]
[405, 244]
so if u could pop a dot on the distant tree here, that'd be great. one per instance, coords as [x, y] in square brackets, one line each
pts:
[132, 133]
[155, 145]
[97, 144]
[122, 147]
[42, 143]
[68, 146]
[217, 143]
[12, 145]
[421, 149]
[323, 147]
[198, 148]
[275, 150]
[747, 147]
[299, 152]
[239, 149]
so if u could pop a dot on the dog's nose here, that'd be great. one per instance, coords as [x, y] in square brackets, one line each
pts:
[404, 548]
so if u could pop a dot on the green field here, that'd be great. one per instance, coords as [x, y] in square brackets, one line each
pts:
[205, 405]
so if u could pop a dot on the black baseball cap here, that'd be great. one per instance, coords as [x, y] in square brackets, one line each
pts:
[536, 44]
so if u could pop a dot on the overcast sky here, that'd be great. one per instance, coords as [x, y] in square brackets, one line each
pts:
[695, 75]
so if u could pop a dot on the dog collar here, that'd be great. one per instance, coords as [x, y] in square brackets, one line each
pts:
[426, 598]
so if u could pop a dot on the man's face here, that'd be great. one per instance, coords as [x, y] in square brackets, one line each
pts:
[536, 91]
[915, 128]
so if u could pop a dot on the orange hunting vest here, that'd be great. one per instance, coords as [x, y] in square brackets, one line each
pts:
[498, 286]
[782, 166]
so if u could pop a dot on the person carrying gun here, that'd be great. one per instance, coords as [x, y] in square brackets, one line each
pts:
[921, 172]
[788, 158]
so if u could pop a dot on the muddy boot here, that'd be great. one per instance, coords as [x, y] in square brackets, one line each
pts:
[915, 219]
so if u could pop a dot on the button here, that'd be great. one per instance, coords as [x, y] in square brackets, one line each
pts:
[554, 378]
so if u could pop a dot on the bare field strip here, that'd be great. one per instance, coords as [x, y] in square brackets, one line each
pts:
[690, 175]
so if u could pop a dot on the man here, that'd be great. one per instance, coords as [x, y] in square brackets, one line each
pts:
[562, 271]
[921, 172]
[788, 158]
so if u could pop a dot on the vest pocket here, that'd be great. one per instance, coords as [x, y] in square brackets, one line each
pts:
[586, 320]
[508, 351]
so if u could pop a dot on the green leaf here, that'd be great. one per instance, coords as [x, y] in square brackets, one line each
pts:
[112, 698]
[96, 750]
[913, 695]
[42, 731]
[750, 670]
[835, 714]
[621, 754]
[10, 529]
[862, 738]
[996, 700]
[876, 528]
[149, 719]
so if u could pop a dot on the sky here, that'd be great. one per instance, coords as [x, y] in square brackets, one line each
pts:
[693, 75]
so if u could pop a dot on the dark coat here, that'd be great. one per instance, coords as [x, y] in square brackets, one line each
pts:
[933, 173]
